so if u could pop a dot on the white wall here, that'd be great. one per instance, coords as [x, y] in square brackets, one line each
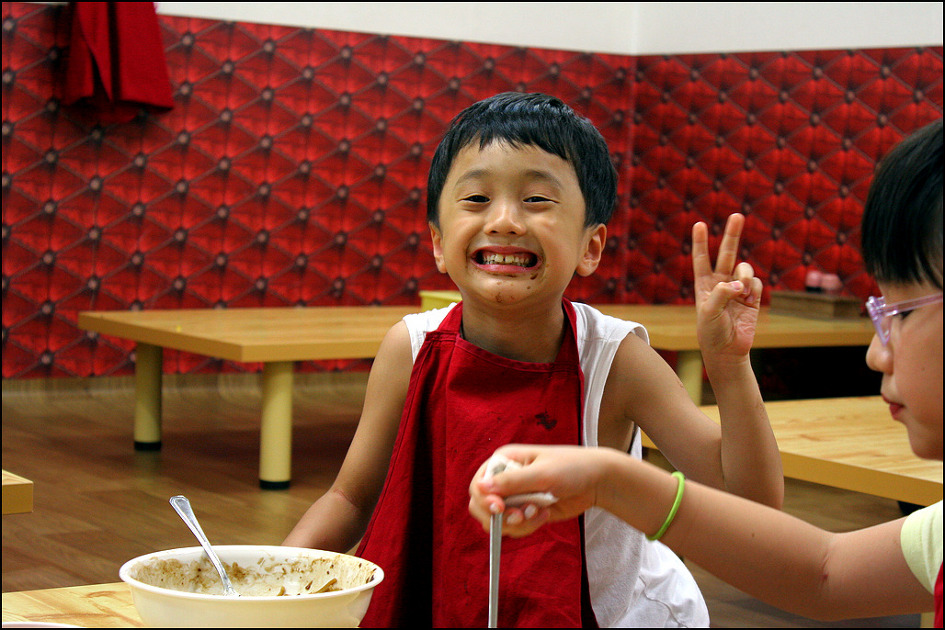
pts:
[680, 27]
[610, 27]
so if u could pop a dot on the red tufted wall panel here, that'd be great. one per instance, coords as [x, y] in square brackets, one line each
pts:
[292, 171]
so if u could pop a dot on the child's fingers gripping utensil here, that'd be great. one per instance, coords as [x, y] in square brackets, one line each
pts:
[496, 464]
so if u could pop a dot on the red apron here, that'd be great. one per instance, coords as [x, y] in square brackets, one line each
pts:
[938, 599]
[463, 403]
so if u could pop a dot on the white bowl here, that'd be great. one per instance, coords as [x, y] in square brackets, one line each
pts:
[163, 586]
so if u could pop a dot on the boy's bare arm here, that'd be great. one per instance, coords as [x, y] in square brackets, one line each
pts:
[728, 300]
[337, 520]
[742, 455]
[751, 461]
[643, 389]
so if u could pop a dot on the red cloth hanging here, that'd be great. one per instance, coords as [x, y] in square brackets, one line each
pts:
[116, 63]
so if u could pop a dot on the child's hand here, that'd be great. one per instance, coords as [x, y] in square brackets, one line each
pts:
[727, 298]
[568, 472]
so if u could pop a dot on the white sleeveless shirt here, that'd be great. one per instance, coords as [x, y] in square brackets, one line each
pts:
[633, 582]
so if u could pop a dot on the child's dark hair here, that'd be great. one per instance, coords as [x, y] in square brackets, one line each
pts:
[902, 220]
[531, 119]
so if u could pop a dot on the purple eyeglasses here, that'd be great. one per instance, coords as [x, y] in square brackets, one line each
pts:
[881, 313]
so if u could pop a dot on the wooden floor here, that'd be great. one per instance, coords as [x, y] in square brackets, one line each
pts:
[98, 503]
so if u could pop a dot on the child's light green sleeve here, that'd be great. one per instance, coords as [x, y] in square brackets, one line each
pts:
[921, 539]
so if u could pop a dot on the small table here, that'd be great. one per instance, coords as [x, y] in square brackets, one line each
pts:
[17, 494]
[277, 337]
[92, 606]
[673, 327]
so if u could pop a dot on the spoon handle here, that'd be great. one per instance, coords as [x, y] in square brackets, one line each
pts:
[181, 505]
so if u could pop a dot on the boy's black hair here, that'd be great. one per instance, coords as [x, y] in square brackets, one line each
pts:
[902, 220]
[531, 119]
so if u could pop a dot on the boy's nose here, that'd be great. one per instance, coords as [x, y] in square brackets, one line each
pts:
[878, 356]
[504, 217]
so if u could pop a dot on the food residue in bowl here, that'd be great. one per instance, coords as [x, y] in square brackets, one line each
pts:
[269, 577]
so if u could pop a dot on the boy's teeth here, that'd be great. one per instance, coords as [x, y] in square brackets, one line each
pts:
[506, 259]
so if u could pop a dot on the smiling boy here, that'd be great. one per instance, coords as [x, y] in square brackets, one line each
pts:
[511, 232]
[519, 194]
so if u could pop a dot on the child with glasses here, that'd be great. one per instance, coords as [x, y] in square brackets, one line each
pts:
[892, 568]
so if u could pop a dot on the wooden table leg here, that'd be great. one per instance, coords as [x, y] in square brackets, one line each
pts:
[148, 369]
[689, 370]
[17, 494]
[275, 433]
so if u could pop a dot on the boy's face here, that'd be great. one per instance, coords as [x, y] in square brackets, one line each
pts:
[512, 225]
[911, 364]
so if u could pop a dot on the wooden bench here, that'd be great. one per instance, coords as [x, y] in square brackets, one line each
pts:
[849, 443]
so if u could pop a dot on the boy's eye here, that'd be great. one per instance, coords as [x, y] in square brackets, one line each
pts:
[537, 199]
[476, 198]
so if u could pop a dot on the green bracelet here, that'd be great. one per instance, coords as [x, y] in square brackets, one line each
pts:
[680, 486]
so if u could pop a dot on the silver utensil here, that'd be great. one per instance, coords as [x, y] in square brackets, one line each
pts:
[182, 506]
[496, 464]
[495, 551]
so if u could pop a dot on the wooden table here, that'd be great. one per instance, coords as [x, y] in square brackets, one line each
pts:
[17, 494]
[673, 327]
[93, 606]
[277, 337]
[849, 443]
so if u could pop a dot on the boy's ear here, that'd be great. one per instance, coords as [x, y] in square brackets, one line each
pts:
[596, 239]
[437, 239]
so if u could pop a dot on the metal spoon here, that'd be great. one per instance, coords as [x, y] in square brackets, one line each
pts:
[182, 506]
[496, 464]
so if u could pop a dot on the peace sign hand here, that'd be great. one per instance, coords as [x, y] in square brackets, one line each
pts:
[727, 298]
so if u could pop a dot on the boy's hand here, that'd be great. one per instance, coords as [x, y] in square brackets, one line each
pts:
[728, 297]
[568, 472]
